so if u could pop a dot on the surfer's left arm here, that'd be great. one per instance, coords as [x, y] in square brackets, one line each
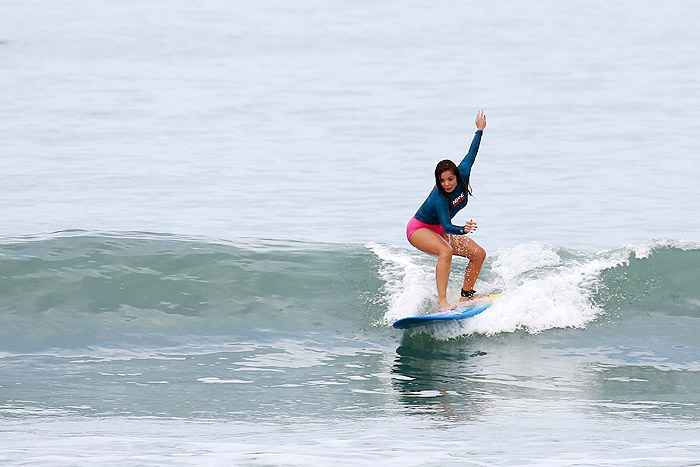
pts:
[466, 165]
[443, 212]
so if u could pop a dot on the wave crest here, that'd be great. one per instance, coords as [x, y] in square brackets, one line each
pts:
[546, 287]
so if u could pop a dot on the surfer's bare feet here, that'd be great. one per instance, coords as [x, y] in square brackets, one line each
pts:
[446, 306]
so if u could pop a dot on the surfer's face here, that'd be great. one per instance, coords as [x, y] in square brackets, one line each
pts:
[448, 181]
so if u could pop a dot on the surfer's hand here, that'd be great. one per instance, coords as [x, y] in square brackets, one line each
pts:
[469, 226]
[480, 120]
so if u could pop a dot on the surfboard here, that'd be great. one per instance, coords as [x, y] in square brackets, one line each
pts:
[461, 312]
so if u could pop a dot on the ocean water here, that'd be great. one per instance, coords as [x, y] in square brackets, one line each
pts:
[202, 243]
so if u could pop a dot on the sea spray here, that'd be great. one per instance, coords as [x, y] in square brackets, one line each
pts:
[544, 286]
[409, 286]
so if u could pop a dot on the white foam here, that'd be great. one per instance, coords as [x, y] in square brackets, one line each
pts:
[215, 380]
[544, 286]
[408, 285]
[511, 263]
[542, 290]
[644, 250]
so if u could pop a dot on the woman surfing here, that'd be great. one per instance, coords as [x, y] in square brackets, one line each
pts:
[431, 230]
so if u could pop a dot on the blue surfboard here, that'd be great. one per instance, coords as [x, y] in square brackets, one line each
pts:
[461, 312]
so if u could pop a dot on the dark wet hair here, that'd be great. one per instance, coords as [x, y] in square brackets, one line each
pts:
[449, 165]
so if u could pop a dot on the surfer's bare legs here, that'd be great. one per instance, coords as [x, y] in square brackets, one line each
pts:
[468, 248]
[433, 243]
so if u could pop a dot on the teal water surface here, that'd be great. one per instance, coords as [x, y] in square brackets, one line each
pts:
[154, 329]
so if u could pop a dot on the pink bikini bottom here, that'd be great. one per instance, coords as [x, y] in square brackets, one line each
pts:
[414, 224]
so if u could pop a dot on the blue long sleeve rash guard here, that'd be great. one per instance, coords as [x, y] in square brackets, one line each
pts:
[436, 210]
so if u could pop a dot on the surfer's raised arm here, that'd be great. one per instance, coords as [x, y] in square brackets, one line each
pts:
[465, 166]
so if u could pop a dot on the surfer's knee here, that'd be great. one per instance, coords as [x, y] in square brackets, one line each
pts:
[478, 254]
[445, 253]
[482, 254]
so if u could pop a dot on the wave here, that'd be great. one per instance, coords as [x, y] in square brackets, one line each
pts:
[94, 289]
[81, 289]
[545, 287]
